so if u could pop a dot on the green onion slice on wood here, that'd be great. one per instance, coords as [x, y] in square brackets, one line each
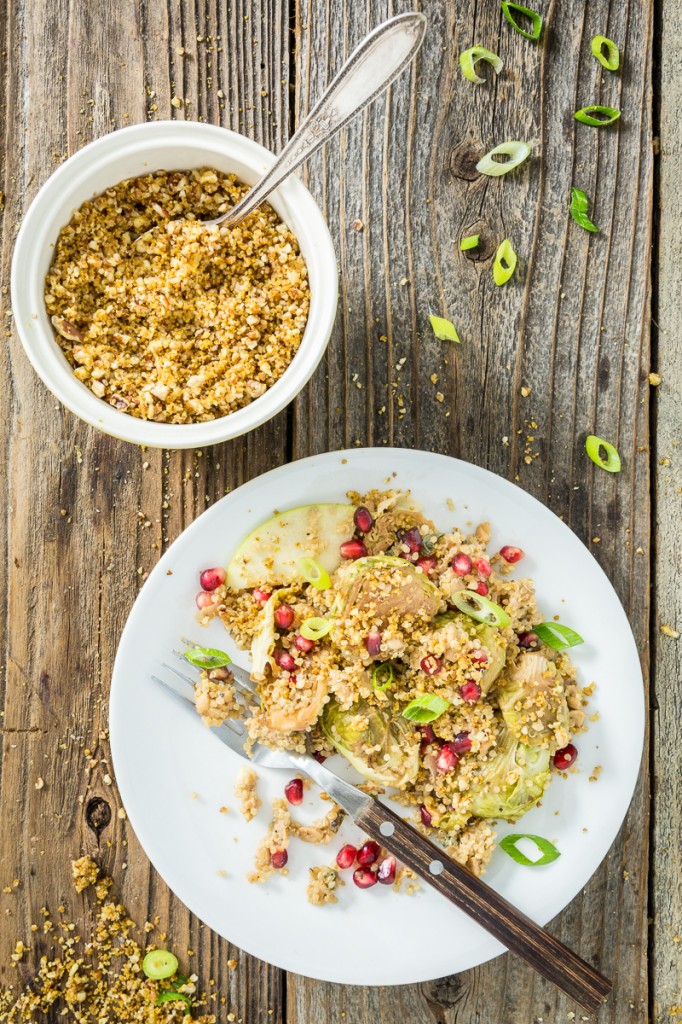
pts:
[469, 242]
[606, 52]
[505, 262]
[578, 210]
[610, 461]
[509, 9]
[443, 329]
[516, 153]
[468, 59]
[597, 116]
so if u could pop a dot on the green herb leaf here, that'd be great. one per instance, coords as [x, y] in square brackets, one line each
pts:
[606, 52]
[207, 657]
[468, 60]
[558, 637]
[426, 708]
[469, 242]
[480, 608]
[594, 446]
[548, 850]
[536, 20]
[516, 151]
[597, 116]
[382, 675]
[315, 627]
[443, 329]
[578, 210]
[505, 262]
[313, 573]
[168, 997]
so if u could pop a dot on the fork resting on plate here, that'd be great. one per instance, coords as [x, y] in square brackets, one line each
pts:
[545, 954]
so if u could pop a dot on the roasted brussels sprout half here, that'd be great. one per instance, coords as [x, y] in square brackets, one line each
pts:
[533, 703]
[384, 751]
[489, 637]
[512, 781]
[409, 593]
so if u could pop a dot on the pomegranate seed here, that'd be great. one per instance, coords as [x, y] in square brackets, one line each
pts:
[479, 657]
[284, 659]
[353, 549]
[363, 519]
[345, 858]
[293, 791]
[284, 616]
[461, 564]
[368, 853]
[301, 643]
[483, 566]
[412, 538]
[427, 564]
[565, 757]
[425, 815]
[511, 554]
[428, 733]
[321, 758]
[386, 871]
[260, 595]
[364, 878]
[431, 665]
[211, 579]
[461, 743]
[447, 758]
[481, 588]
[373, 643]
[528, 639]
[204, 599]
[470, 691]
[279, 858]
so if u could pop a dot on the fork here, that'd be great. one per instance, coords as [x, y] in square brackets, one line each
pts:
[542, 951]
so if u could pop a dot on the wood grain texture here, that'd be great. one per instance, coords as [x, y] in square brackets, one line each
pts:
[573, 326]
[666, 865]
[86, 516]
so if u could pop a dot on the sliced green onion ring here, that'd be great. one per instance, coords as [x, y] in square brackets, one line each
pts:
[516, 151]
[536, 19]
[312, 572]
[505, 262]
[593, 447]
[480, 608]
[426, 708]
[160, 964]
[443, 329]
[167, 997]
[382, 675]
[606, 52]
[588, 115]
[578, 209]
[315, 627]
[558, 636]
[468, 59]
[469, 242]
[207, 657]
[548, 850]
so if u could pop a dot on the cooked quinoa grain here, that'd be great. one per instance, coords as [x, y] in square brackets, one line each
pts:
[190, 322]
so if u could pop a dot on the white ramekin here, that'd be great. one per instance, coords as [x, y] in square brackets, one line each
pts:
[141, 149]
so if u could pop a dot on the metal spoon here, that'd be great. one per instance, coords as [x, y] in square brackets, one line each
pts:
[369, 70]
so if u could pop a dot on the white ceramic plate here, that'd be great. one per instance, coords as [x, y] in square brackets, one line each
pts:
[174, 776]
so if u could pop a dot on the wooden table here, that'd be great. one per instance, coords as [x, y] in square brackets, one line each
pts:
[563, 351]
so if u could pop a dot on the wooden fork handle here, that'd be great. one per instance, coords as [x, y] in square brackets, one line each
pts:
[542, 951]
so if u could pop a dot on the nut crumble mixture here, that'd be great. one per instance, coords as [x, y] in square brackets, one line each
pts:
[189, 323]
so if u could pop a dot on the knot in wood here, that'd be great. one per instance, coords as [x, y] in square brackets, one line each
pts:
[97, 814]
[463, 160]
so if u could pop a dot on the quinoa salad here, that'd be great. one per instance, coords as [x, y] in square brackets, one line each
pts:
[412, 651]
[185, 323]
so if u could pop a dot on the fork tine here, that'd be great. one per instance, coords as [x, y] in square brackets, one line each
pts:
[240, 674]
[171, 689]
[180, 675]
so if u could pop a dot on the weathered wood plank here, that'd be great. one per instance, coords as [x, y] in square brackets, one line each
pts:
[666, 882]
[572, 327]
[72, 72]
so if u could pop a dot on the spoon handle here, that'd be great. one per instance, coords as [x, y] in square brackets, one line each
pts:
[369, 70]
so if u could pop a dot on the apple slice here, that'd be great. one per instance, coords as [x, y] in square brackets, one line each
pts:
[271, 553]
